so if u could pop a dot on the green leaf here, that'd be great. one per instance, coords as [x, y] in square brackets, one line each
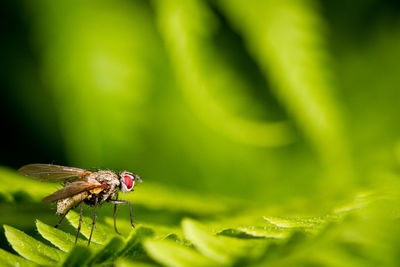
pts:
[9, 259]
[188, 29]
[296, 222]
[109, 252]
[60, 239]
[224, 250]
[307, 224]
[175, 238]
[360, 201]
[255, 232]
[101, 233]
[126, 263]
[134, 248]
[285, 39]
[32, 249]
[78, 256]
[171, 254]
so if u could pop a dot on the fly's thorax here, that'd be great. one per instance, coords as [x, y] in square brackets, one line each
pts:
[103, 177]
[110, 179]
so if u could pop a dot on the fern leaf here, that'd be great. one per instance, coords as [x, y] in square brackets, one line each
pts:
[134, 248]
[32, 249]
[109, 252]
[78, 256]
[101, 233]
[224, 250]
[60, 239]
[9, 259]
[171, 254]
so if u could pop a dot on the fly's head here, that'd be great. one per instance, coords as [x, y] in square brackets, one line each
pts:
[128, 180]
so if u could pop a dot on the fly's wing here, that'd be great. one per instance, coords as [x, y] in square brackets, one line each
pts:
[72, 189]
[52, 173]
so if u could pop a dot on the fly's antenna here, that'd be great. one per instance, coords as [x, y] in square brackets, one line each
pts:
[137, 178]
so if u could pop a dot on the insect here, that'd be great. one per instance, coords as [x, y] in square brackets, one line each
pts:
[83, 187]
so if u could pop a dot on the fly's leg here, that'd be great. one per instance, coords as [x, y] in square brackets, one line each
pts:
[119, 202]
[79, 225]
[94, 219]
[62, 218]
[115, 215]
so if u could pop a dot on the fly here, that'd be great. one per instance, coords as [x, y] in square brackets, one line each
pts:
[83, 187]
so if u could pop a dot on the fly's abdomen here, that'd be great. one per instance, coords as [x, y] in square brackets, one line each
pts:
[66, 204]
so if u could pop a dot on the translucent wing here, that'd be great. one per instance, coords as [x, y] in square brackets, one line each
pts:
[52, 173]
[72, 189]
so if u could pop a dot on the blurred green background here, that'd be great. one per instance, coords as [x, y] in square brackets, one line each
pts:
[265, 101]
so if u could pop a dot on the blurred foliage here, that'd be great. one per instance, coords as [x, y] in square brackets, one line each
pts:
[192, 94]
[258, 120]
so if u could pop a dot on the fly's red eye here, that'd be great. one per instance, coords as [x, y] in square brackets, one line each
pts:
[128, 181]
